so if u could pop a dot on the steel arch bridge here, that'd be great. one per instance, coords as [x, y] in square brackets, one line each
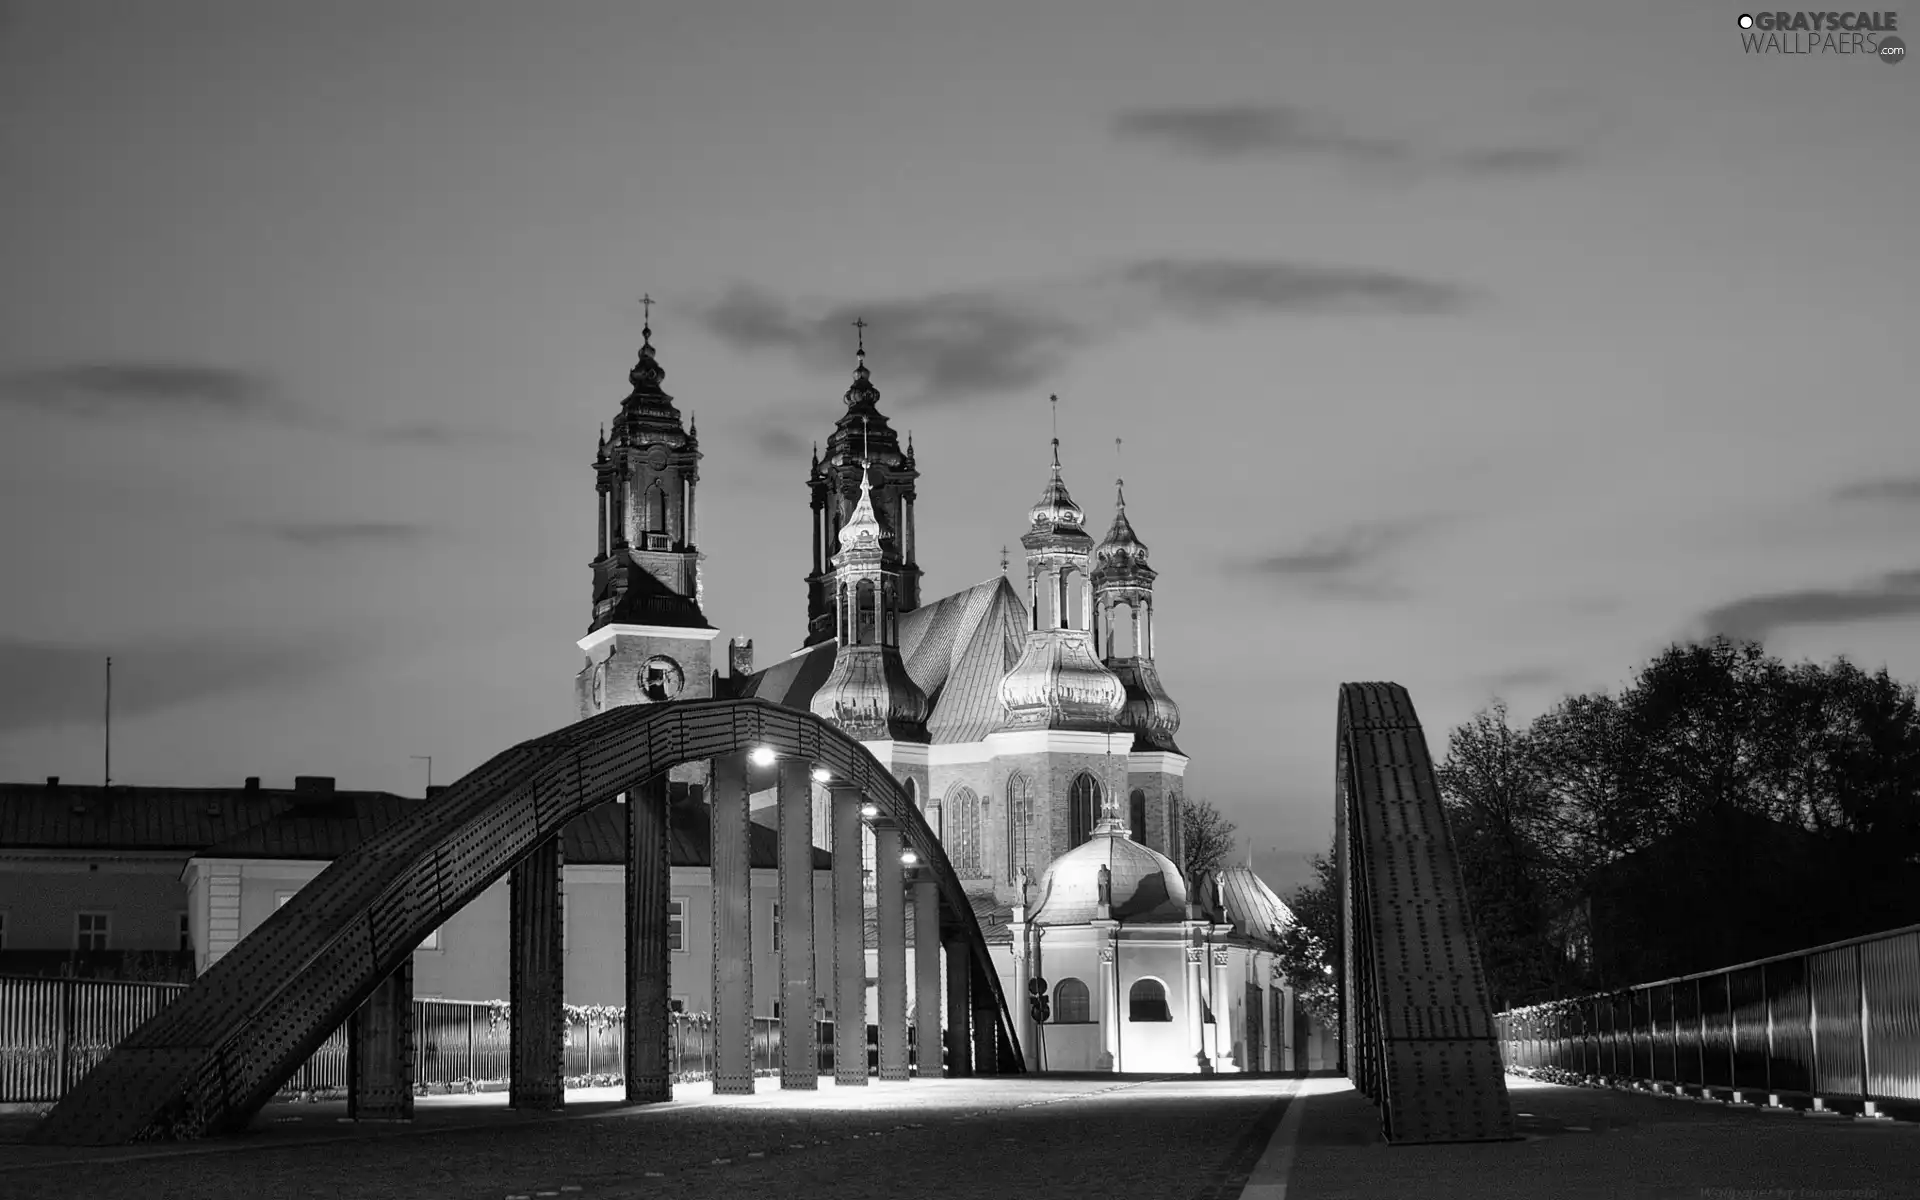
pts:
[341, 948]
[1416, 1026]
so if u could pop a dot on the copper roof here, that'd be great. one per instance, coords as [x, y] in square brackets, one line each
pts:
[1252, 907]
[331, 826]
[80, 817]
[957, 649]
[1146, 887]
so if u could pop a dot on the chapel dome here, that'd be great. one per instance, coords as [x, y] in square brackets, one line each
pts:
[1146, 887]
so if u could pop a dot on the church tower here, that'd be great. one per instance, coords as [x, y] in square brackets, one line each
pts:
[1123, 623]
[1059, 682]
[863, 445]
[648, 641]
[869, 693]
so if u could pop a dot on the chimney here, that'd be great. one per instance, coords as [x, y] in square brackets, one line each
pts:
[53, 781]
[253, 783]
[313, 783]
[740, 657]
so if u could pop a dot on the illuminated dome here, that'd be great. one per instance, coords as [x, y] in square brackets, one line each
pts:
[1146, 887]
[1056, 510]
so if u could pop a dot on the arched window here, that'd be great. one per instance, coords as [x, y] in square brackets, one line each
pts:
[1019, 826]
[1072, 1003]
[863, 605]
[1137, 815]
[1083, 804]
[654, 511]
[1147, 1001]
[962, 813]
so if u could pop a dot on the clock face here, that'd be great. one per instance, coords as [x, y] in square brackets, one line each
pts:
[661, 678]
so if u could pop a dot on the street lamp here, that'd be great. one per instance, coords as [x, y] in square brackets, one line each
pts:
[821, 775]
[908, 858]
[869, 811]
[762, 756]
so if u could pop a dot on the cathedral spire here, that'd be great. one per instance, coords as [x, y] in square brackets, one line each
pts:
[1123, 608]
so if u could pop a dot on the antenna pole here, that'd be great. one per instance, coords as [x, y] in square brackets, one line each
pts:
[429, 761]
[106, 771]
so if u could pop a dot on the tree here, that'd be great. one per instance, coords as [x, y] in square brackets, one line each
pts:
[1311, 956]
[1206, 839]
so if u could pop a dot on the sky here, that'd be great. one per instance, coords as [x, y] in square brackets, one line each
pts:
[1484, 346]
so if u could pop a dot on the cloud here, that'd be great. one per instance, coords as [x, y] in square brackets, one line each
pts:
[950, 344]
[1253, 131]
[157, 389]
[50, 684]
[963, 344]
[777, 442]
[1342, 563]
[1523, 677]
[1894, 595]
[341, 533]
[1203, 288]
[1899, 490]
[1227, 132]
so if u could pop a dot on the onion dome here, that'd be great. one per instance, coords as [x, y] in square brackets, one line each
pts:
[1121, 543]
[647, 409]
[1055, 511]
[1059, 683]
[871, 698]
[1143, 885]
[862, 394]
[1148, 711]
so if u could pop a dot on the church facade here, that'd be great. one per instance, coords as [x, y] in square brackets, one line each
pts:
[1028, 720]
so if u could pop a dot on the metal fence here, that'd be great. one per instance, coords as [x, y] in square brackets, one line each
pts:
[1836, 1024]
[53, 1031]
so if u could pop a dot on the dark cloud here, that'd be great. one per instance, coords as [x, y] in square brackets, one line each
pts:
[1523, 677]
[1254, 131]
[1894, 595]
[60, 684]
[342, 533]
[1343, 563]
[1241, 131]
[1204, 288]
[103, 390]
[949, 345]
[1900, 490]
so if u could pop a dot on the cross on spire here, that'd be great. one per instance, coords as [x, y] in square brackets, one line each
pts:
[860, 323]
[646, 317]
[1003, 560]
[1054, 402]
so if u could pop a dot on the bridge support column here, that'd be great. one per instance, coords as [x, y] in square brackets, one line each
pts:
[927, 1042]
[959, 1009]
[732, 928]
[849, 944]
[380, 1051]
[890, 903]
[799, 1028]
[537, 1022]
[649, 887]
[986, 1023]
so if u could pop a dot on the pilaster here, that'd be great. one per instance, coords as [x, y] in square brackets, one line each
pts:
[799, 1027]
[732, 928]
[959, 1007]
[849, 942]
[380, 1051]
[649, 1066]
[537, 1020]
[926, 974]
[890, 902]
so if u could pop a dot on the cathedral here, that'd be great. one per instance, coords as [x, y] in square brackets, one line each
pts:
[1027, 721]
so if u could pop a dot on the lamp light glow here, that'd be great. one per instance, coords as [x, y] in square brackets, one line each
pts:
[821, 775]
[869, 811]
[908, 858]
[761, 756]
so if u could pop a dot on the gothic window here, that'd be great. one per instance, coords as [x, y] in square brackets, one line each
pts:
[1019, 826]
[1147, 1001]
[962, 812]
[1072, 1003]
[1083, 803]
[1137, 815]
[863, 605]
[653, 512]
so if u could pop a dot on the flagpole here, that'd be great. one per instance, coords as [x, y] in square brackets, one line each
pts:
[107, 758]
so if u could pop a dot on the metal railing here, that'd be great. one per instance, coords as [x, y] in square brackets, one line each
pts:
[53, 1031]
[1838, 1023]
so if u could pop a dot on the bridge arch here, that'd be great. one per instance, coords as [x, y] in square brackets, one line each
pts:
[1416, 1026]
[207, 1063]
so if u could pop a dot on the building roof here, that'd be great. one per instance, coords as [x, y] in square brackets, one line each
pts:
[1253, 908]
[956, 648]
[1144, 885]
[326, 827]
[182, 820]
